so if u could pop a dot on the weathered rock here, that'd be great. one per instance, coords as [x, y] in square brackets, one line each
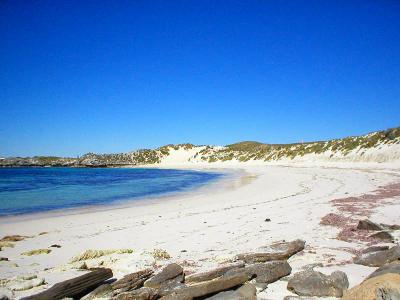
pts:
[383, 235]
[267, 272]
[36, 252]
[214, 273]
[103, 291]
[170, 285]
[382, 293]
[131, 281]
[169, 272]
[391, 227]
[369, 289]
[393, 267]
[207, 287]
[378, 258]
[374, 249]
[276, 251]
[4, 259]
[368, 225]
[246, 292]
[143, 293]
[13, 238]
[313, 283]
[300, 298]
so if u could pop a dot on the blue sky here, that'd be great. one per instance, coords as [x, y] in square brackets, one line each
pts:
[113, 76]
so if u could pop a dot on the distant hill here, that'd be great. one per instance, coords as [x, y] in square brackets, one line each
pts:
[379, 146]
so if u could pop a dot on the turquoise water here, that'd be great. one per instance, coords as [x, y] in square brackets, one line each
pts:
[27, 190]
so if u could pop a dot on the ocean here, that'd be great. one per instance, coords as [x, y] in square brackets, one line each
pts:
[30, 190]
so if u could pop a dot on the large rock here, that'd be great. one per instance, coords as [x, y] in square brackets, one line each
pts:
[143, 293]
[368, 225]
[131, 281]
[208, 287]
[103, 291]
[245, 292]
[375, 248]
[276, 251]
[214, 273]
[267, 272]
[378, 258]
[313, 283]
[393, 267]
[169, 272]
[378, 287]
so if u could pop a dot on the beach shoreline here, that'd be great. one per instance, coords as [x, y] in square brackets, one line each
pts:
[209, 227]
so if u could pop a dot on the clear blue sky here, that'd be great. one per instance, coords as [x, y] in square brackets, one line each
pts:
[113, 76]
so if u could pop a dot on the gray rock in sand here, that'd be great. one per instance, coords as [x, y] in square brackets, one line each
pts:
[379, 258]
[169, 272]
[383, 235]
[313, 283]
[368, 225]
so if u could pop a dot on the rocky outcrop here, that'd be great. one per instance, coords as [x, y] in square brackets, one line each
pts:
[378, 258]
[267, 272]
[382, 235]
[214, 273]
[169, 272]
[313, 283]
[276, 251]
[246, 292]
[379, 287]
[143, 293]
[131, 281]
[393, 267]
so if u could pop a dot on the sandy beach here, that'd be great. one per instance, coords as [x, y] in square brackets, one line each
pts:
[259, 205]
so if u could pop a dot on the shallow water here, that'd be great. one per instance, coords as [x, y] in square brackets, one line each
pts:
[27, 190]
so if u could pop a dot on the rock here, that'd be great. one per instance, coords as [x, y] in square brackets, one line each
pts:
[378, 258]
[374, 249]
[391, 227]
[103, 291]
[382, 293]
[276, 251]
[26, 284]
[4, 259]
[267, 220]
[168, 286]
[36, 252]
[246, 292]
[369, 289]
[13, 238]
[6, 294]
[55, 246]
[207, 287]
[90, 254]
[143, 293]
[383, 235]
[393, 267]
[300, 298]
[267, 272]
[208, 275]
[131, 281]
[169, 272]
[313, 283]
[368, 225]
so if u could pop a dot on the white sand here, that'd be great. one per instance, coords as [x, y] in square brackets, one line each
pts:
[211, 225]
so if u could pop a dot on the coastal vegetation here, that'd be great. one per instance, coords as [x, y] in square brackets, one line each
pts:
[242, 152]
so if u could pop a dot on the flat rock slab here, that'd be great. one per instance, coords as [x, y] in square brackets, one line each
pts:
[383, 235]
[169, 272]
[378, 258]
[375, 288]
[208, 287]
[131, 281]
[267, 272]
[276, 251]
[143, 293]
[246, 292]
[214, 273]
[313, 283]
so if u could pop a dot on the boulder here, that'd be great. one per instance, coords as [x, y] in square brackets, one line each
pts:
[214, 273]
[245, 292]
[368, 225]
[169, 272]
[267, 272]
[103, 291]
[131, 281]
[143, 293]
[276, 251]
[375, 288]
[393, 267]
[313, 283]
[374, 249]
[208, 287]
[383, 235]
[378, 258]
